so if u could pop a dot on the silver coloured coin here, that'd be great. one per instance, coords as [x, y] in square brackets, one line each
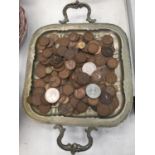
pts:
[89, 68]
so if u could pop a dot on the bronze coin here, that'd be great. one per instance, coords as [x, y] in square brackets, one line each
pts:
[65, 109]
[40, 71]
[93, 102]
[100, 60]
[64, 74]
[68, 89]
[70, 64]
[90, 58]
[43, 41]
[47, 52]
[85, 100]
[93, 47]
[70, 53]
[44, 109]
[74, 101]
[111, 78]
[51, 42]
[47, 78]
[64, 99]
[107, 40]
[63, 41]
[55, 81]
[35, 100]
[80, 57]
[61, 50]
[112, 63]
[88, 36]
[39, 47]
[56, 60]
[59, 68]
[53, 36]
[80, 93]
[75, 84]
[83, 78]
[111, 90]
[74, 36]
[39, 83]
[96, 76]
[105, 97]
[81, 107]
[38, 91]
[103, 110]
[41, 58]
[107, 52]
[54, 73]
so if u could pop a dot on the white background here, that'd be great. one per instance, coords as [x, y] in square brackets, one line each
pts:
[40, 139]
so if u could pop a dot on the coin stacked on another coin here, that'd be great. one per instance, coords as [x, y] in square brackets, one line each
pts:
[74, 72]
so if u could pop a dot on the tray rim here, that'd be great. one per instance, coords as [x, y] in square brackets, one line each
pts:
[127, 83]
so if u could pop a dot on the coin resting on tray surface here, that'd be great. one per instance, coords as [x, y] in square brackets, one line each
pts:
[74, 73]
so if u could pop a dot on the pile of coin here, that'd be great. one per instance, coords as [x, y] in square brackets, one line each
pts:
[74, 72]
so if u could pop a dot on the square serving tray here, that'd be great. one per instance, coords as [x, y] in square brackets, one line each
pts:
[124, 74]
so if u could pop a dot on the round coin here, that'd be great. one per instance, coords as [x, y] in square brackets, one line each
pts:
[68, 89]
[80, 57]
[79, 93]
[52, 95]
[44, 109]
[81, 45]
[70, 64]
[107, 52]
[112, 63]
[89, 68]
[82, 78]
[88, 36]
[39, 83]
[111, 77]
[93, 102]
[111, 90]
[40, 71]
[43, 41]
[103, 110]
[105, 97]
[55, 81]
[93, 91]
[81, 107]
[93, 47]
[74, 36]
[64, 74]
[107, 40]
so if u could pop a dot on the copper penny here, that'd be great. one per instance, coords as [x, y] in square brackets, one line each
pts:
[70, 64]
[47, 78]
[88, 36]
[70, 53]
[43, 101]
[56, 60]
[80, 57]
[55, 81]
[64, 74]
[114, 105]
[111, 90]
[103, 110]
[53, 36]
[39, 83]
[61, 50]
[74, 36]
[112, 63]
[72, 44]
[54, 73]
[107, 52]
[41, 58]
[39, 47]
[93, 102]
[105, 97]
[35, 100]
[81, 107]
[74, 101]
[96, 76]
[40, 71]
[38, 91]
[93, 47]
[44, 109]
[59, 68]
[80, 93]
[68, 89]
[100, 60]
[111, 77]
[63, 41]
[107, 40]
[65, 109]
[47, 52]
[83, 78]
[43, 41]
[51, 42]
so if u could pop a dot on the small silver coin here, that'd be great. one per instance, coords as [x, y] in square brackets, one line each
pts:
[93, 91]
[89, 68]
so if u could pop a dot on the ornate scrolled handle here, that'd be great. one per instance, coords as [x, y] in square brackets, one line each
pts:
[77, 5]
[73, 148]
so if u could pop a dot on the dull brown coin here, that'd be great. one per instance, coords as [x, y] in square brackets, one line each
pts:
[105, 97]
[81, 107]
[38, 91]
[39, 83]
[54, 73]
[80, 57]
[39, 47]
[70, 64]
[68, 89]
[112, 63]
[75, 84]
[100, 60]
[80, 93]
[74, 36]
[51, 42]
[64, 74]
[107, 52]
[64, 99]
[35, 100]
[70, 53]
[88, 36]
[64, 41]
[55, 81]
[65, 109]
[103, 110]
[83, 78]
[40, 71]
[44, 109]
[111, 90]
[111, 77]
[61, 50]
[60, 67]
[74, 101]
[107, 40]
[43, 41]
[47, 52]
[96, 76]
[41, 58]
[53, 36]
[47, 78]
[93, 47]
[93, 102]
[56, 60]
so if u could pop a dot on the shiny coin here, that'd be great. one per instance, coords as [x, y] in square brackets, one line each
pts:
[89, 68]
[93, 91]
[52, 95]
[81, 45]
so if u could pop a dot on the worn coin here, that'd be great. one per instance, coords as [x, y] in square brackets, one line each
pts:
[107, 40]
[47, 52]
[81, 45]
[80, 93]
[93, 47]
[74, 36]
[111, 77]
[105, 97]
[68, 89]
[107, 52]
[111, 90]
[40, 71]
[81, 107]
[39, 83]
[88, 36]
[70, 64]
[93, 102]
[112, 63]
[55, 81]
[44, 109]
[103, 110]
[64, 74]
[65, 109]
[82, 78]
[43, 41]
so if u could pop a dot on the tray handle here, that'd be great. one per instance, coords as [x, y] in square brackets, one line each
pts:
[77, 5]
[73, 148]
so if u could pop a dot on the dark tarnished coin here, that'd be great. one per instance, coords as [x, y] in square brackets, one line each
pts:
[111, 77]
[93, 47]
[107, 40]
[107, 52]
[96, 76]
[81, 107]
[68, 89]
[39, 83]
[44, 109]
[103, 110]
[55, 81]
[47, 52]
[65, 109]
[56, 60]
[105, 97]
[88, 36]
[80, 93]
[70, 53]
[100, 60]
[61, 50]
[80, 57]
[64, 74]
[112, 63]
[74, 101]
[43, 101]
[43, 41]
[74, 36]
[83, 78]
[111, 90]
[40, 71]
